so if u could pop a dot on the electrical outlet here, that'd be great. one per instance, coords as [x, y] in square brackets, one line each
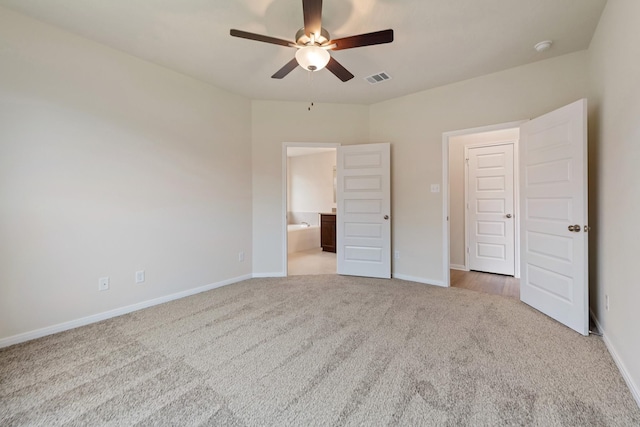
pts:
[606, 302]
[435, 188]
[396, 254]
[241, 256]
[103, 284]
[140, 276]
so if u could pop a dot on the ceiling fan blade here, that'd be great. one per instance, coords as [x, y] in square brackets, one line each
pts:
[286, 69]
[340, 72]
[312, 10]
[368, 39]
[260, 38]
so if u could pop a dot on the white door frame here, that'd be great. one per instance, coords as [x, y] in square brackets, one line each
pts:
[445, 188]
[516, 198]
[285, 145]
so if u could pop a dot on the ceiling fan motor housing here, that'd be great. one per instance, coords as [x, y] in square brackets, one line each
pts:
[303, 40]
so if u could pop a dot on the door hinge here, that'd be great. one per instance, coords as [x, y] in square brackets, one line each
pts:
[468, 250]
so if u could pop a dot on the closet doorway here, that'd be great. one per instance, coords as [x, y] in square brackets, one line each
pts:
[552, 158]
[482, 232]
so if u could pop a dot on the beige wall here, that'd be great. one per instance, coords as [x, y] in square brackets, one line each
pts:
[311, 184]
[414, 125]
[108, 165]
[277, 122]
[457, 164]
[614, 155]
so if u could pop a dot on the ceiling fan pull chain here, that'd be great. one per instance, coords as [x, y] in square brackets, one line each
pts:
[310, 82]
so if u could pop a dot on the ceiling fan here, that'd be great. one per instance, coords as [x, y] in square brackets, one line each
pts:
[314, 43]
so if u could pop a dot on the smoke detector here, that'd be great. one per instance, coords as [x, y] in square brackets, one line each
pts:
[542, 46]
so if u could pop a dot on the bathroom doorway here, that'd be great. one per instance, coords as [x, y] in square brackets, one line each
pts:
[310, 204]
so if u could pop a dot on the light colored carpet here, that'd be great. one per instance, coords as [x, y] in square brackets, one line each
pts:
[318, 350]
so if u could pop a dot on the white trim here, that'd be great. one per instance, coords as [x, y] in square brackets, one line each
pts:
[465, 208]
[445, 186]
[60, 327]
[483, 129]
[516, 201]
[285, 145]
[633, 387]
[419, 280]
[458, 267]
[446, 224]
[265, 275]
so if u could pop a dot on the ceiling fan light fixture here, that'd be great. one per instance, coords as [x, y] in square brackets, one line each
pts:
[312, 58]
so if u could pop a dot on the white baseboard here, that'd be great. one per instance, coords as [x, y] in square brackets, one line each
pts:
[635, 390]
[458, 267]
[420, 280]
[60, 327]
[265, 275]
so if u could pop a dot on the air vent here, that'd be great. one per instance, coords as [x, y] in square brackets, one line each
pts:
[378, 78]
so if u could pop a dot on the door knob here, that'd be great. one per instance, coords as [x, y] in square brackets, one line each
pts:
[508, 215]
[386, 217]
[575, 228]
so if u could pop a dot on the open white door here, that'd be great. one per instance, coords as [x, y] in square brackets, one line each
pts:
[363, 214]
[554, 245]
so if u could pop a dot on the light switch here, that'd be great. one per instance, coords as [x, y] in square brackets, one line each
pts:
[140, 276]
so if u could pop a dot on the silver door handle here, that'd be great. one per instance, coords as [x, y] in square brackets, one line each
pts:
[508, 215]
[575, 228]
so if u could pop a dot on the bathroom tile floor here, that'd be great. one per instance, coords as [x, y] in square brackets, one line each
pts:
[313, 261]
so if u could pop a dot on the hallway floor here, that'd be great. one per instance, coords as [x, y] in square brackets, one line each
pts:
[488, 283]
[316, 261]
[313, 261]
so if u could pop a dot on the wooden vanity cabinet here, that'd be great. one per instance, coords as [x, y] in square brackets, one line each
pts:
[328, 232]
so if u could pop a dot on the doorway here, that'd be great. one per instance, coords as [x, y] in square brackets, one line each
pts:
[310, 192]
[553, 187]
[361, 190]
[481, 231]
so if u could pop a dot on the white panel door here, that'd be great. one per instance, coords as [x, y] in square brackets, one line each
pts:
[363, 214]
[490, 209]
[554, 245]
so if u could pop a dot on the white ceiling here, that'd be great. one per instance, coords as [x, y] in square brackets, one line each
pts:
[436, 41]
